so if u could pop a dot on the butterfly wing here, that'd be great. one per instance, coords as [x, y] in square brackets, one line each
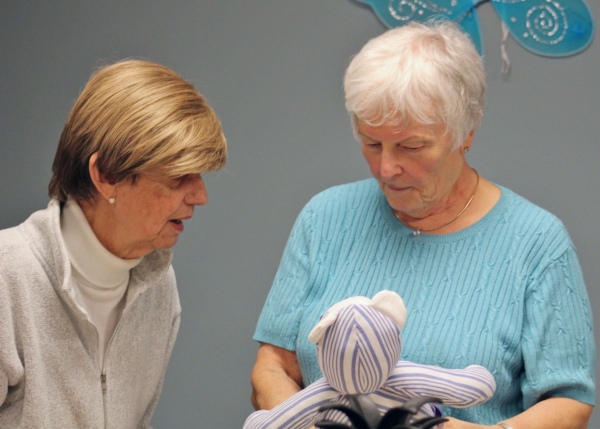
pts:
[470, 25]
[553, 28]
[395, 13]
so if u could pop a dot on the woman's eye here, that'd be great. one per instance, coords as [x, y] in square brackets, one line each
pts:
[411, 147]
[175, 182]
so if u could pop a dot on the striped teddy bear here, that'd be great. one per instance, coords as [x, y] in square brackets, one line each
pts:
[358, 347]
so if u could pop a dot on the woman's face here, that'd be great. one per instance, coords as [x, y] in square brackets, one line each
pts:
[415, 166]
[148, 214]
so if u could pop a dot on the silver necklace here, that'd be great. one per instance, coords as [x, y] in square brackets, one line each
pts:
[418, 231]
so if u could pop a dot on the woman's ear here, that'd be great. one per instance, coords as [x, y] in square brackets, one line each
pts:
[468, 142]
[104, 187]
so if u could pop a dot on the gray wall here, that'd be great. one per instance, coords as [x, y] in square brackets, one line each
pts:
[272, 70]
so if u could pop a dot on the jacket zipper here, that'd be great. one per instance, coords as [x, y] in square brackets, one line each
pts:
[103, 378]
[103, 383]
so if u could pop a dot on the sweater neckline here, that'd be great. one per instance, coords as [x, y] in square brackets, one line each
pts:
[395, 225]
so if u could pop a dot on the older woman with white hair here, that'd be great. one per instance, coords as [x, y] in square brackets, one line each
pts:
[488, 277]
[88, 299]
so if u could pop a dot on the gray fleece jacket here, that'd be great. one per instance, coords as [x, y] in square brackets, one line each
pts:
[49, 374]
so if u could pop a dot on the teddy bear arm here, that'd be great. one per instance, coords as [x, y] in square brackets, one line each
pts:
[458, 388]
[297, 412]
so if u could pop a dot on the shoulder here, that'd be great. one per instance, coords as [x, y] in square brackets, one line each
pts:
[332, 206]
[348, 190]
[153, 288]
[41, 225]
[526, 212]
[529, 223]
[155, 272]
[355, 194]
[34, 239]
[517, 202]
[10, 240]
[15, 253]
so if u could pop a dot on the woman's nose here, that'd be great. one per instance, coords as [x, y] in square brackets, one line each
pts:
[197, 194]
[389, 165]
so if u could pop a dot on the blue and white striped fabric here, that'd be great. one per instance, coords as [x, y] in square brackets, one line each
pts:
[359, 353]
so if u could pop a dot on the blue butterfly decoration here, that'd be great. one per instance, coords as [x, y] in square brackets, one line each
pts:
[553, 28]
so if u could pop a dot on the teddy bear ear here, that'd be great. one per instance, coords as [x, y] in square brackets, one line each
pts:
[319, 330]
[331, 315]
[392, 305]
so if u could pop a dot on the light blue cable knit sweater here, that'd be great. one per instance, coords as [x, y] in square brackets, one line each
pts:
[506, 293]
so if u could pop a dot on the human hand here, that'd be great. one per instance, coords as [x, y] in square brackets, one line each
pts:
[453, 423]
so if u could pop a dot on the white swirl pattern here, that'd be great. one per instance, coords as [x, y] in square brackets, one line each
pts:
[547, 23]
[407, 10]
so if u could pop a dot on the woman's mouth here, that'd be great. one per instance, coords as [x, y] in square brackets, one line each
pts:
[177, 224]
[396, 188]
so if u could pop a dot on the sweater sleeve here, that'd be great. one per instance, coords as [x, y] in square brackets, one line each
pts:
[12, 369]
[5, 340]
[558, 341]
[281, 315]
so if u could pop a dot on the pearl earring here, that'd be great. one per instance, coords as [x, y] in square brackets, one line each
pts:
[111, 200]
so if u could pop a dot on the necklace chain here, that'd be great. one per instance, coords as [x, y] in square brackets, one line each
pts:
[418, 231]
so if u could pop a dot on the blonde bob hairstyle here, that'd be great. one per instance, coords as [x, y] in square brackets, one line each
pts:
[418, 74]
[140, 117]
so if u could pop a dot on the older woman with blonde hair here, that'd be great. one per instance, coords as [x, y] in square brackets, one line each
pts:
[88, 299]
[488, 277]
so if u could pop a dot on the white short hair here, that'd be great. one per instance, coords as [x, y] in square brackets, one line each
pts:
[425, 74]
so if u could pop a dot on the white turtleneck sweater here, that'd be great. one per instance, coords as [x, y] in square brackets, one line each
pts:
[99, 278]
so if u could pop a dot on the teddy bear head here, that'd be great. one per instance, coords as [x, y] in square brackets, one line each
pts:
[358, 342]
